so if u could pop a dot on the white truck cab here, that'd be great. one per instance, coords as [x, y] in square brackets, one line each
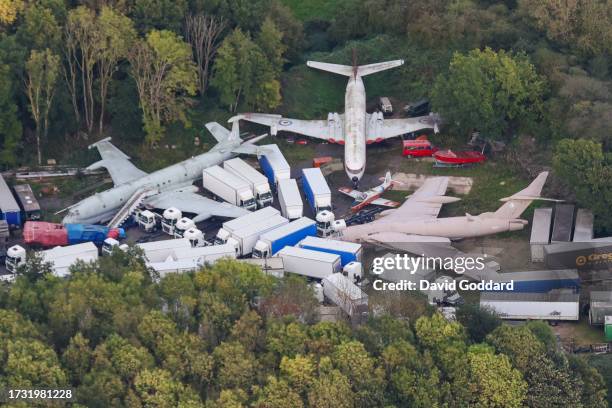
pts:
[183, 225]
[147, 220]
[15, 257]
[221, 237]
[325, 220]
[170, 217]
[195, 237]
[354, 271]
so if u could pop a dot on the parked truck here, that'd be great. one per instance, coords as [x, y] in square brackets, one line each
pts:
[47, 234]
[258, 182]
[27, 201]
[243, 240]
[229, 187]
[341, 291]
[290, 199]
[287, 235]
[158, 251]
[191, 259]
[241, 222]
[60, 258]
[348, 251]
[309, 263]
[9, 209]
[316, 190]
[274, 164]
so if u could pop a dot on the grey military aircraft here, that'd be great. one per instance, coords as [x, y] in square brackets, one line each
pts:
[168, 187]
[415, 228]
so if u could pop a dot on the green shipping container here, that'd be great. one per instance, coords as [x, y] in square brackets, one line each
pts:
[608, 328]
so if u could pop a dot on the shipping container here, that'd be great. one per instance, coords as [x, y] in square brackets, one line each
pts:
[309, 263]
[159, 251]
[191, 259]
[290, 234]
[541, 281]
[608, 329]
[258, 182]
[540, 233]
[591, 255]
[341, 291]
[229, 187]
[27, 200]
[600, 306]
[316, 190]
[60, 258]
[243, 240]
[348, 251]
[563, 223]
[274, 164]
[242, 222]
[532, 306]
[290, 199]
[583, 231]
[9, 209]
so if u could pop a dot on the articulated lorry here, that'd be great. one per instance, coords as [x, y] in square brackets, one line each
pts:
[229, 187]
[341, 291]
[191, 259]
[61, 258]
[309, 263]
[290, 199]
[316, 190]
[243, 240]
[348, 251]
[159, 251]
[258, 182]
[242, 222]
[290, 234]
[274, 164]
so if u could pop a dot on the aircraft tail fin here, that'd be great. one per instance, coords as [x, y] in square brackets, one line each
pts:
[220, 133]
[517, 203]
[361, 70]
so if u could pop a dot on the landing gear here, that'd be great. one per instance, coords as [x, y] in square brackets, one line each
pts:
[355, 181]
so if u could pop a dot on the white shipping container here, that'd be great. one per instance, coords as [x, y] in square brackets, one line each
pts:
[316, 189]
[342, 292]
[250, 218]
[532, 306]
[305, 262]
[258, 182]
[206, 254]
[274, 164]
[244, 239]
[540, 233]
[290, 199]
[62, 258]
[229, 187]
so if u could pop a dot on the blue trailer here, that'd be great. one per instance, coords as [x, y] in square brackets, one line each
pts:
[542, 281]
[316, 190]
[290, 234]
[79, 233]
[9, 208]
[348, 251]
[274, 164]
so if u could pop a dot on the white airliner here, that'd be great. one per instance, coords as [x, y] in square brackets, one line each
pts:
[355, 127]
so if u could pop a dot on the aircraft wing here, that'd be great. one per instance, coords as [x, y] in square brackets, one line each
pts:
[425, 202]
[116, 163]
[190, 202]
[318, 129]
[350, 192]
[381, 129]
[433, 247]
[385, 203]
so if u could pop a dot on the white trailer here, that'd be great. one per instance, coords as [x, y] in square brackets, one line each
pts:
[316, 190]
[532, 306]
[290, 199]
[242, 222]
[341, 291]
[60, 258]
[243, 240]
[289, 234]
[274, 164]
[229, 187]
[309, 263]
[348, 251]
[583, 230]
[186, 260]
[258, 182]
[540, 233]
[159, 251]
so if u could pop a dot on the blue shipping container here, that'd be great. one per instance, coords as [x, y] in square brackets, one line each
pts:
[345, 257]
[79, 233]
[11, 212]
[293, 238]
[308, 193]
[267, 169]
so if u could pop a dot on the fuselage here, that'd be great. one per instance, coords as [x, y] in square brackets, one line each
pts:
[103, 206]
[355, 128]
[451, 227]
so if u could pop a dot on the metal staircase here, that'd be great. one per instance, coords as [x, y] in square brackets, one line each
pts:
[130, 206]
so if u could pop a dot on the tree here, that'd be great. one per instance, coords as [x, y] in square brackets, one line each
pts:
[278, 394]
[489, 91]
[116, 35]
[165, 76]
[298, 371]
[203, 33]
[152, 15]
[10, 127]
[331, 390]
[42, 71]
[156, 389]
[9, 9]
[478, 321]
[235, 367]
[270, 41]
[40, 29]
[496, 383]
[81, 42]
[584, 167]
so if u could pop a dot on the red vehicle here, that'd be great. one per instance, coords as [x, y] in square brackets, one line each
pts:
[461, 158]
[418, 148]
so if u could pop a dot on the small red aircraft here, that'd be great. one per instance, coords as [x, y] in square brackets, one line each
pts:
[372, 196]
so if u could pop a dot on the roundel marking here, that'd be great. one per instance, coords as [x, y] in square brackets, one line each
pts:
[284, 122]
